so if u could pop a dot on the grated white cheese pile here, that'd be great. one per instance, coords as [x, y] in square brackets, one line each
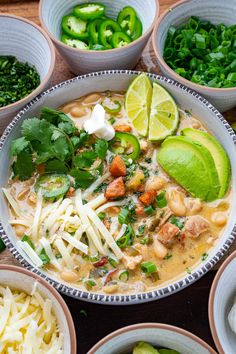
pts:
[28, 324]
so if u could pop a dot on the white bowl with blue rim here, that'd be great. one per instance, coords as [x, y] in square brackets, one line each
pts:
[119, 80]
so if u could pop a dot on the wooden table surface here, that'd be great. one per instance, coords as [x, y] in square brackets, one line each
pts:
[187, 309]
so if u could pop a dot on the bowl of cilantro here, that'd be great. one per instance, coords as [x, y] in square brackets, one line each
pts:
[194, 42]
[27, 59]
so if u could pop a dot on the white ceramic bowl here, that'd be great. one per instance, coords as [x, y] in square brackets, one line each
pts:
[21, 279]
[215, 11]
[28, 43]
[119, 81]
[157, 334]
[85, 61]
[222, 296]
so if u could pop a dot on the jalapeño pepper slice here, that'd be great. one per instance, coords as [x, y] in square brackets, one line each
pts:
[89, 11]
[126, 19]
[120, 39]
[138, 30]
[106, 30]
[125, 144]
[53, 185]
[74, 27]
[113, 107]
[74, 43]
[97, 47]
[93, 28]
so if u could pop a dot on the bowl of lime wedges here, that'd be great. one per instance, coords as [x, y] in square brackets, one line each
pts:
[128, 179]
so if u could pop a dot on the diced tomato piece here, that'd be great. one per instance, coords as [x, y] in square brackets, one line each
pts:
[115, 189]
[140, 210]
[123, 128]
[117, 167]
[70, 192]
[148, 198]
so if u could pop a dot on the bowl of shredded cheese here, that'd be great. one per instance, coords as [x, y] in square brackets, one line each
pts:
[34, 317]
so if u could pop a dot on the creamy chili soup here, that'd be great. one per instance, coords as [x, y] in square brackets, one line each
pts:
[108, 219]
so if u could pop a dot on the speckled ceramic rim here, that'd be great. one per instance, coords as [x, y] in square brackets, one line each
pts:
[58, 297]
[134, 298]
[150, 325]
[114, 50]
[212, 298]
[51, 68]
[167, 67]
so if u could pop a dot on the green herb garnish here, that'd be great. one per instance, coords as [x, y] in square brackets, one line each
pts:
[17, 80]
[204, 256]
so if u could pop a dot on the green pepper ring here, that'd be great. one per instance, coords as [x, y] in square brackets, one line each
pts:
[112, 110]
[126, 138]
[71, 33]
[127, 14]
[119, 37]
[58, 185]
[103, 28]
[138, 30]
[65, 38]
[89, 15]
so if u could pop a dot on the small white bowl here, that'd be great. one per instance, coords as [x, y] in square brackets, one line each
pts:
[222, 295]
[21, 279]
[28, 43]
[85, 61]
[215, 11]
[157, 334]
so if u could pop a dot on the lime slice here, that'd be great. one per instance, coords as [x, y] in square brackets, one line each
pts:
[138, 102]
[164, 117]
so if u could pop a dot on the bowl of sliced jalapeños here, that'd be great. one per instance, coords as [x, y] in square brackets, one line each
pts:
[102, 35]
[27, 59]
[111, 200]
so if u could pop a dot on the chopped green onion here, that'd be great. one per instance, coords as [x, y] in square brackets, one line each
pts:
[202, 52]
[204, 256]
[26, 238]
[148, 267]
[90, 284]
[149, 210]
[111, 120]
[2, 245]
[124, 275]
[141, 229]
[101, 215]
[44, 257]
[145, 240]
[127, 238]
[176, 221]
[161, 200]
[113, 262]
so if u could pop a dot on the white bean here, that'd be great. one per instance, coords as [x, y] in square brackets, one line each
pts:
[69, 277]
[93, 98]
[159, 249]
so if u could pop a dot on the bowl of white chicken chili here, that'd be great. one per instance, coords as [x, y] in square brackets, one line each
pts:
[118, 187]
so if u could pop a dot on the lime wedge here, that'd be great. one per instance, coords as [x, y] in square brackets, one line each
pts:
[164, 117]
[138, 102]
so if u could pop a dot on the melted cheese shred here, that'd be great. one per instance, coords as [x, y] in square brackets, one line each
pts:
[28, 324]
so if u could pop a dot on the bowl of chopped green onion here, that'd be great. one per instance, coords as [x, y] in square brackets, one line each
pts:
[99, 35]
[27, 59]
[195, 44]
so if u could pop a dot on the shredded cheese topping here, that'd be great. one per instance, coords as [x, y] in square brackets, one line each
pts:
[28, 324]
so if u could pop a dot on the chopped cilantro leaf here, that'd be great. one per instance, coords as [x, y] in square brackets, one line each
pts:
[55, 166]
[168, 256]
[177, 221]
[85, 159]
[101, 147]
[83, 179]
[204, 256]
[19, 145]
[141, 229]
[23, 167]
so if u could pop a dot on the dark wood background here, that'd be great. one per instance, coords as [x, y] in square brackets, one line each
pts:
[187, 309]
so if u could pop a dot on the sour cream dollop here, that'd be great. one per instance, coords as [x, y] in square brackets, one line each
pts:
[97, 124]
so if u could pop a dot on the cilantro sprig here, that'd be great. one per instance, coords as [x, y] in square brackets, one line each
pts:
[54, 141]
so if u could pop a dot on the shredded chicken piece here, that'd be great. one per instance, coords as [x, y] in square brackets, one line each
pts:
[165, 217]
[132, 262]
[195, 226]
